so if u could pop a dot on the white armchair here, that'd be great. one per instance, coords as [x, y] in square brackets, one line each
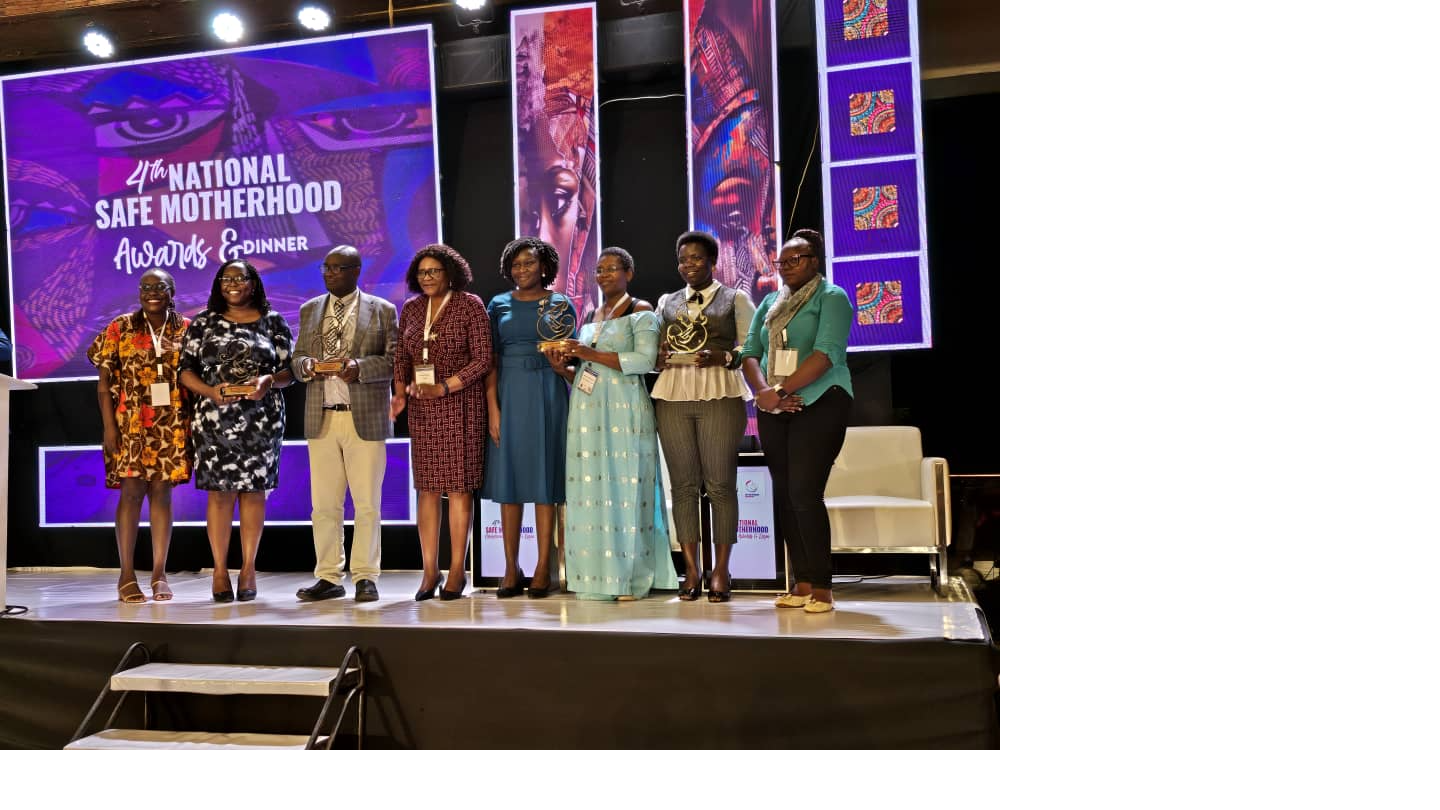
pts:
[884, 496]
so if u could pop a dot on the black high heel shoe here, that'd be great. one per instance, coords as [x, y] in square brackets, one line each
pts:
[226, 595]
[721, 596]
[450, 596]
[517, 589]
[427, 593]
[690, 594]
[537, 593]
[245, 595]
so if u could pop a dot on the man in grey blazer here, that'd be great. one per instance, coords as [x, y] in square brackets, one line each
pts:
[345, 354]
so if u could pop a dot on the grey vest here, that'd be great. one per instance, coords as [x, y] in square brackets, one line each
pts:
[719, 317]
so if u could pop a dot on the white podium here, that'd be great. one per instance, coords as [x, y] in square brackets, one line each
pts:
[7, 384]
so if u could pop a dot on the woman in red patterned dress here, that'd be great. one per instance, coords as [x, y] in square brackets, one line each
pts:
[440, 367]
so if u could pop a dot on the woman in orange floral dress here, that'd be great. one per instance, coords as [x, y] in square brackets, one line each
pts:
[147, 424]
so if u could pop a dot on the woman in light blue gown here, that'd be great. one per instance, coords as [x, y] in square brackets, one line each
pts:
[616, 543]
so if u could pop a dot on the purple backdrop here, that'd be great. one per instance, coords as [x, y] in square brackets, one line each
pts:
[275, 153]
[73, 493]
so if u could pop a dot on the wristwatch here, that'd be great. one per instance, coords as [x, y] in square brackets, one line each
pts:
[781, 392]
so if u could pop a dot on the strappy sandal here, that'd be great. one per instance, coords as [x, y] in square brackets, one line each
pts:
[159, 595]
[136, 598]
[720, 596]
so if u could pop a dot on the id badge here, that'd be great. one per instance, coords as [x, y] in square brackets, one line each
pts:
[425, 375]
[586, 383]
[159, 394]
[783, 363]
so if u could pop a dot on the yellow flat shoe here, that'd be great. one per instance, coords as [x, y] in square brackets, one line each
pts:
[790, 600]
[816, 606]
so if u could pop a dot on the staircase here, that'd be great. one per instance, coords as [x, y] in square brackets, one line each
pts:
[137, 674]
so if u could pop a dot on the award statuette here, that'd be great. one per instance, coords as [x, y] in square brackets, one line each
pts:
[684, 337]
[237, 368]
[332, 335]
[555, 325]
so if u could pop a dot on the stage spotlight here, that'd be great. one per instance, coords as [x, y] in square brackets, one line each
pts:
[314, 17]
[473, 13]
[99, 44]
[228, 27]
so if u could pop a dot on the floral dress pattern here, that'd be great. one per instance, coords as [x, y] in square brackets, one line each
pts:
[237, 446]
[154, 441]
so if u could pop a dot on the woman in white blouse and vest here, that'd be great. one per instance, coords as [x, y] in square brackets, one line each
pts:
[700, 407]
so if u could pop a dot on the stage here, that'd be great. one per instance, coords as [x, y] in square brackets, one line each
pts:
[895, 666]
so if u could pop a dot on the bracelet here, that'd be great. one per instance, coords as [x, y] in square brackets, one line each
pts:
[446, 385]
[781, 392]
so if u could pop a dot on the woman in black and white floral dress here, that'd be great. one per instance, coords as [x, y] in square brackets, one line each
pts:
[237, 339]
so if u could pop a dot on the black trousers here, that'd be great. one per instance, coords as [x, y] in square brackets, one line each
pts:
[800, 449]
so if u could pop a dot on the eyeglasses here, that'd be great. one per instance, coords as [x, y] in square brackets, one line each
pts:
[430, 272]
[793, 261]
[337, 268]
[608, 271]
[527, 264]
[234, 281]
[154, 288]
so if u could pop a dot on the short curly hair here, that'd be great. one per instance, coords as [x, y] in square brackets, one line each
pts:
[626, 260]
[706, 241]
[457, 270]
[544, 253]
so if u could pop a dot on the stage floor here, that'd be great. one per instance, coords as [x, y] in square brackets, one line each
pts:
[894, 608]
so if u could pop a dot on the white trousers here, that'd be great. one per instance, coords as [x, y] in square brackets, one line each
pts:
[340, 459]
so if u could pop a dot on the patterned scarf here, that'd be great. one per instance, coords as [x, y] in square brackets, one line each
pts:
[787, 303]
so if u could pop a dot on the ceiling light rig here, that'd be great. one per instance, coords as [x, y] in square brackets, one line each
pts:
[473, 13]
[314, 17]
[98, 44]
[227, 27]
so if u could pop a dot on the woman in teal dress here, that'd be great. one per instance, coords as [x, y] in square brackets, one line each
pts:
[527, 401]
[616, 543]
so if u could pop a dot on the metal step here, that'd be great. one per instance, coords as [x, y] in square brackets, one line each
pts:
[133, 738]
[227, 679]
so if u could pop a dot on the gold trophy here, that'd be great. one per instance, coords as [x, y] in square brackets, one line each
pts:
[237, 369]
[684, 337]
[555, 325]
[330, 339]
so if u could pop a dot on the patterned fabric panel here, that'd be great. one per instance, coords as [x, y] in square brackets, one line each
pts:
[878, 303]
[872, 113]
[866, 18]
[876, 207]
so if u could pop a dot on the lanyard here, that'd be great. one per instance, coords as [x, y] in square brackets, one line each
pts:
[600, 324]
[430, 319]
[155, 344]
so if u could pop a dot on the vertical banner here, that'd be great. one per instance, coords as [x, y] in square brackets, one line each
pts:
[734, 137]
[274, 153]
[553, 76]
[873, 167]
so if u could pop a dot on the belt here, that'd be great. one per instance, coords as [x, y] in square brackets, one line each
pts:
[337, 407]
